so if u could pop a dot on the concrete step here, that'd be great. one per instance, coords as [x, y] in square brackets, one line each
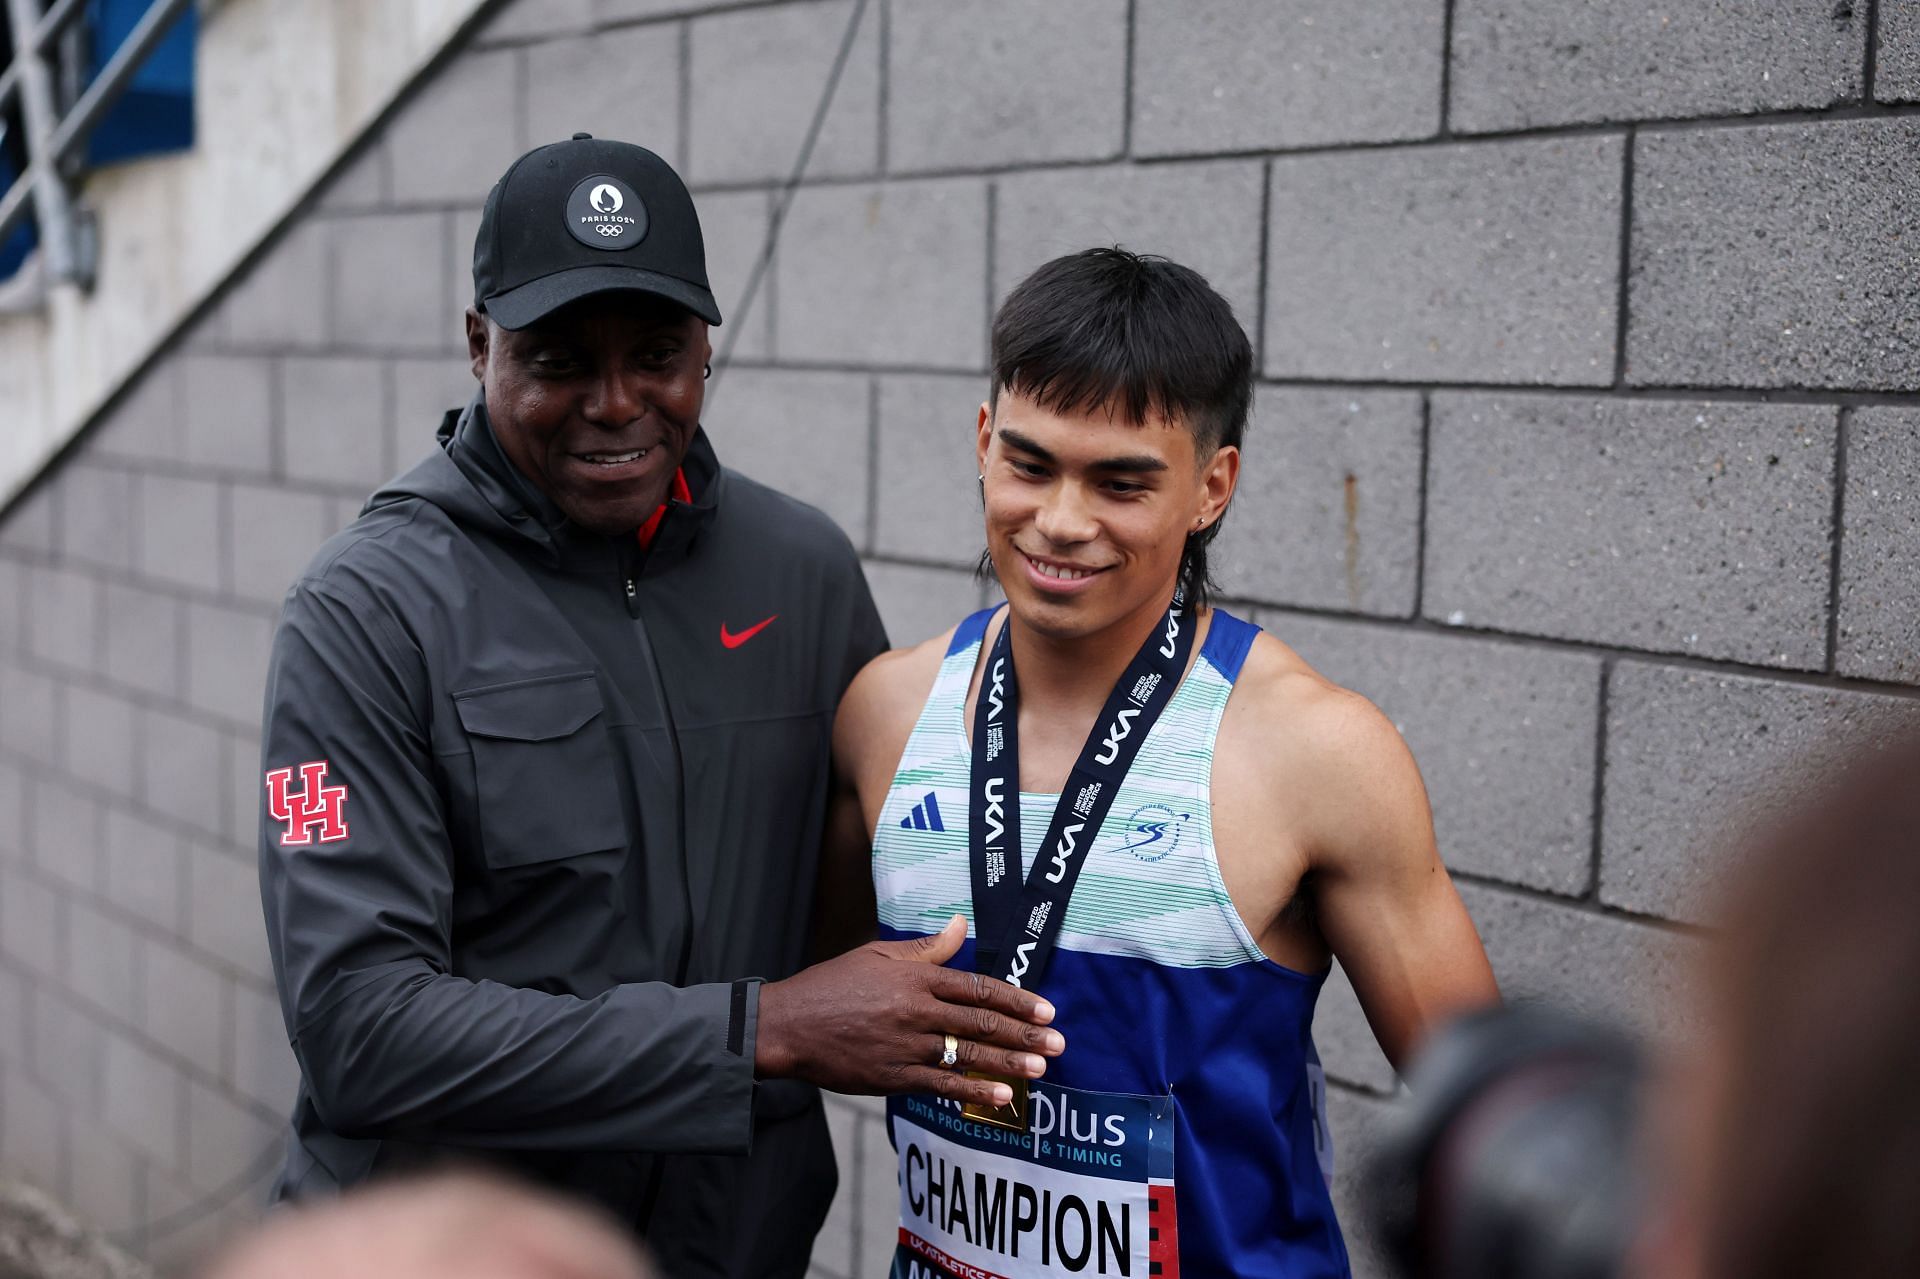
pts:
[39, 1239]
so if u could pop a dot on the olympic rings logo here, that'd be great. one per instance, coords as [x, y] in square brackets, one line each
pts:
[608, 230]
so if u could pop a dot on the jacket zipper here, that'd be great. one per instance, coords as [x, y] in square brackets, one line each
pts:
[679, 778]
[651, 1194]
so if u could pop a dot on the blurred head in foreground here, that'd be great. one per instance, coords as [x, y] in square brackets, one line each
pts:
[1800, 1134]
[1785, 1144]
[459, 1226]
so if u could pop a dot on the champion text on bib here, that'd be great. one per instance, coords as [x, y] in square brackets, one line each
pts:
[1088, 1191]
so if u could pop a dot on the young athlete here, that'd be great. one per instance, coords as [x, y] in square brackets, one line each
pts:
[1145, 810]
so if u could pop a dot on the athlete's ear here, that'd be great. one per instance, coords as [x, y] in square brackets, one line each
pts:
[984, 436]
[1217, 481]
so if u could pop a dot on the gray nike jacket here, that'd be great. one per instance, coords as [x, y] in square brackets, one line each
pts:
[539, 807]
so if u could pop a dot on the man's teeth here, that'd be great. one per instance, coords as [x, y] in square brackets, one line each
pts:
[1065, 574]
[614, 459]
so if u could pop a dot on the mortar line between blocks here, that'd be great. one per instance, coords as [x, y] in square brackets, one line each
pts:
[1605, 690]
[1538, 133]
[1843, 427]
[993, 226]
[1126, 84]
[1266, 243]
[276, 425]
[97, 659]
[1870, 69]
[884, 90]
[1578, 906]
[1668, 393]
[1729, 668]
[1420, 529]
[873, 465]
[678, 13]
[683, 135]
[390, 424]
[1629, 143]
[57, 515]
[1446, 71]
[1354, 1088]
[223, 551]
[859, 1204]
[182, 659]
[770, 283]
[139, 800]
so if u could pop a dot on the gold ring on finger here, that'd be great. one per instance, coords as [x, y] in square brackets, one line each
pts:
[950, 1052]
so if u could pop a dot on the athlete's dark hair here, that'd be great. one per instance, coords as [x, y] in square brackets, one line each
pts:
[1146, 336]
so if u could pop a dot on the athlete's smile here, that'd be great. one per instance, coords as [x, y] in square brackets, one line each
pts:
[1058, 576]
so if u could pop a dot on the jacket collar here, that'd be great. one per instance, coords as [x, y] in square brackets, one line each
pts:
[512, 500]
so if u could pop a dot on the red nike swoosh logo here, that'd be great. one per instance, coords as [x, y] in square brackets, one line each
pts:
[731, 640]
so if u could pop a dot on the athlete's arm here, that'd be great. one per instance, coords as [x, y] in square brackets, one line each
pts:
[864, 731]
[870, 732]
[843, 905]
[1383, 900]
[843, 912]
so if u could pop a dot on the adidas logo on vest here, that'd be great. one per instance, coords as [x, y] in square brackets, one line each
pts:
[925, 815]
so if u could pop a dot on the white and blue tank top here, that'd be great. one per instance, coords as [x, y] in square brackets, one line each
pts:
[1183, 1131]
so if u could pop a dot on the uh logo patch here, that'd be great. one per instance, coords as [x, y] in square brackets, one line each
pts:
[314, 814]
[1088, 1190]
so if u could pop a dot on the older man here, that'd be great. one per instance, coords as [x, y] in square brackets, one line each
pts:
[546, 760]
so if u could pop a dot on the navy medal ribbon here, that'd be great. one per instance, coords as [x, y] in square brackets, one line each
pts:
[1018, 914]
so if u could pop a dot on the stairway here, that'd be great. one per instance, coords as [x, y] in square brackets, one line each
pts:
[284, 89]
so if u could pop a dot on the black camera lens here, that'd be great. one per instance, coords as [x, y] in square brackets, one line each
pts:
[1514, 1159]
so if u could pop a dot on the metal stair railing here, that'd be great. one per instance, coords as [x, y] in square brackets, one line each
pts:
[53, 138]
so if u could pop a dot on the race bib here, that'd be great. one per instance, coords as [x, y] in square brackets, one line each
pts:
[1088, 1191]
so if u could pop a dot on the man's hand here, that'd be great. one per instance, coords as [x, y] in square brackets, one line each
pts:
[874, 1020]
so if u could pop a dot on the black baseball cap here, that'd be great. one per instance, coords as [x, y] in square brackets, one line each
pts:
[572, 219]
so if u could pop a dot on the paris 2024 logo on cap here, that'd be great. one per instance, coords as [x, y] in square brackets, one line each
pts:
[604, 213]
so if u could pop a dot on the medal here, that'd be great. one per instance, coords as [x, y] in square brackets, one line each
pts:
[1012, 1116]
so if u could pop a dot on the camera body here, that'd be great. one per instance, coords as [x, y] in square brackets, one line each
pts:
[1515, 1158]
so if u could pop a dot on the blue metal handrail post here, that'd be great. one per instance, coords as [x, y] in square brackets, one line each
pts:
[51, 206]
[51, 139]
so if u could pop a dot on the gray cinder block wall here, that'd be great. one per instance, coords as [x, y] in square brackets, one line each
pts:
[1587, 444]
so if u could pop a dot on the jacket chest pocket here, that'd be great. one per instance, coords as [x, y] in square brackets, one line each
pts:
[544, 768]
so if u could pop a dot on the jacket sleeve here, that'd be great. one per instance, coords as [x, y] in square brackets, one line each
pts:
[356, 876]
[866, 633]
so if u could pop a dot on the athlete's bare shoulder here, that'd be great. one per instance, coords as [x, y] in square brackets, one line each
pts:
[889, 690]
[1321, 754]
[879, 708]
[1277, 687]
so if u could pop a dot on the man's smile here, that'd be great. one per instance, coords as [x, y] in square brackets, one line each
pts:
[1057, 575]
[616, 465]
[612, 459]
